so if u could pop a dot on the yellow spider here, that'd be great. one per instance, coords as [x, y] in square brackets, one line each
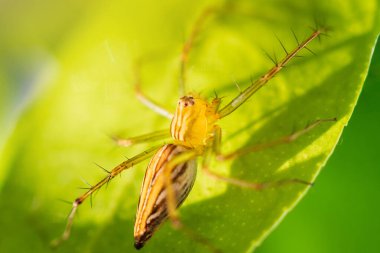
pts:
[194, 132]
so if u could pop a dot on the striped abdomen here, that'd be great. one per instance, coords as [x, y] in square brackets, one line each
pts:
[152, 208]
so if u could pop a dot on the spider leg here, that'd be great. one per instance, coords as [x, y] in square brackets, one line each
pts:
[172, 202]
[252, 185]
[154, 136]
[188, 46]
[171, 198]
[145, 100]
[113, 173]
[256, 85]
[214, 150]
[282, 140]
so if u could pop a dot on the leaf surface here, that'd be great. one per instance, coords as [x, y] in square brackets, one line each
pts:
[61, 134]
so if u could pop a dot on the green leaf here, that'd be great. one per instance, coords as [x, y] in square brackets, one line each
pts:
[59, 135]
[340, 210]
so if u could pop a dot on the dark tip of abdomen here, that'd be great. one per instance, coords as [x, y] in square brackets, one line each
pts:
[139, 244]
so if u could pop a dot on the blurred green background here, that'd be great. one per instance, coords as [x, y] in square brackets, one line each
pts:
[43, 41]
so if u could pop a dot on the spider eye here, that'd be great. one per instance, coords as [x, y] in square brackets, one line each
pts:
[186, 101]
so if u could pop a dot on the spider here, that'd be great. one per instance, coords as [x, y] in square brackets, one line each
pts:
[194, 133]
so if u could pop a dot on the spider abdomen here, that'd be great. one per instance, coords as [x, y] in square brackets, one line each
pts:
[152, 208]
